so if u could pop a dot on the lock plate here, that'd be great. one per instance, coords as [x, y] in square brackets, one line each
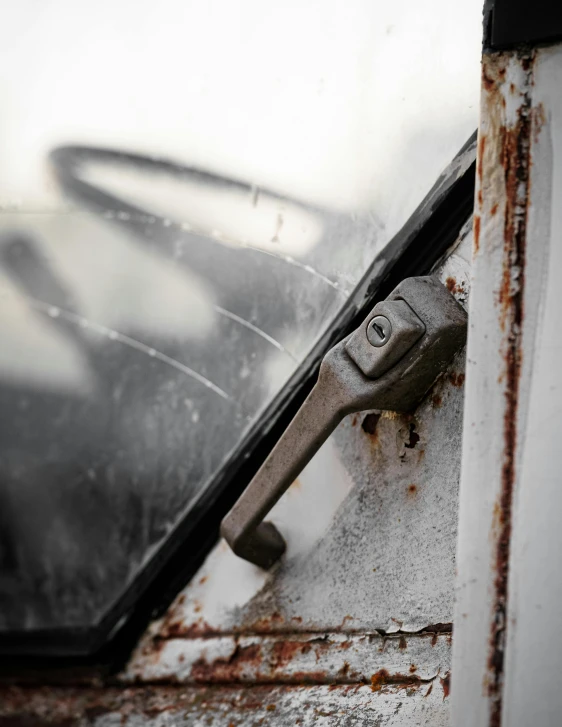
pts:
[403, 329]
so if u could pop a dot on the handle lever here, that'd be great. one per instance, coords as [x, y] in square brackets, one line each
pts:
[389, 362]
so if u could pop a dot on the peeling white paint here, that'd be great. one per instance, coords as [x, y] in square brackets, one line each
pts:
[498, 393]
[365, 550]
[534, 637]
[312, 706]
[331, 658]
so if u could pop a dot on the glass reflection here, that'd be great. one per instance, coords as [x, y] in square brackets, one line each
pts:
[146, 322]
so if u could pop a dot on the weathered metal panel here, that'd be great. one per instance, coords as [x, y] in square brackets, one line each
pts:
[503, 313]
[387, 561]
[532, 693]
[293, 659]
[318, 706]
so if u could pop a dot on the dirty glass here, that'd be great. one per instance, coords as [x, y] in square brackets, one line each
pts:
[153, 302]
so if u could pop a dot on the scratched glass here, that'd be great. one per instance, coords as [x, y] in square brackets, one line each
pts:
[144, 327]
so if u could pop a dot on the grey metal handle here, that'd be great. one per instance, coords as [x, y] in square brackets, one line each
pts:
[249, 537]
[388, 363]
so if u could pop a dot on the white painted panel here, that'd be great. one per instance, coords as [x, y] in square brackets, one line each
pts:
[507, 621]
[502, 315]
[534, 637]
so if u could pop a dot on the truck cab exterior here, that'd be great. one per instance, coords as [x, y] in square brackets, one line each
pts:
[421, 546]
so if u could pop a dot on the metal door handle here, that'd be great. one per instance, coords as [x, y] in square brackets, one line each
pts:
[389, 362]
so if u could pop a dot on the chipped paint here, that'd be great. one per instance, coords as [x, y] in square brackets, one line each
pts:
[504, 312]
[296, 658]
[382, 679]
[531, 693]
[509, 140]
[285, 706]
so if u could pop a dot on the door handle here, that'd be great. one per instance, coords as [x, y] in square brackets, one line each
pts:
[389, 363]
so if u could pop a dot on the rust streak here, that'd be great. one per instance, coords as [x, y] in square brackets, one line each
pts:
[453, 286]
[476, 234]
[174, 627]
[539, 120]
[514, 156]
[457, 379]
[66, 706]
[274, 623]
[481, 149]
[383, 678]
[226, 670]
[284, 652]
[446, 684]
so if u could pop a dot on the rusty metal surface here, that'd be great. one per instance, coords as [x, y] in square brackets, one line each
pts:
[387, 561]
[294, 659]
[504, 311]
[386, 702]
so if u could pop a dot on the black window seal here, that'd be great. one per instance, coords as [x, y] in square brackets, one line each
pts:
[513, 23]
[103, 649]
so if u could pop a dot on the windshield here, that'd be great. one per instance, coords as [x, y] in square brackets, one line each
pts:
[189, 192]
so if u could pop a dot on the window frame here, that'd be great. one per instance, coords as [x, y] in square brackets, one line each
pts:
[422, 241]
